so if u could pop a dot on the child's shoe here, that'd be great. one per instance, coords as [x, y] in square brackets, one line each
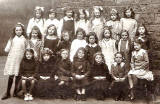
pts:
[26, 97]
[30, 97]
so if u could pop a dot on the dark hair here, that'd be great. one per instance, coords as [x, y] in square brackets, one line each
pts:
[55, 32]
[84, 12]
[142, 25]
[23, 31]
[38, 31]
[119, 53]
[92, 34]
[98, 53]
[132, 13]
[29, 50]
[106, 28]
[138, 41]
[81, 30]
[52, 11]
[76, 55]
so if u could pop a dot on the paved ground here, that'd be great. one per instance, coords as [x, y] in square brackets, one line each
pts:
[3, 83]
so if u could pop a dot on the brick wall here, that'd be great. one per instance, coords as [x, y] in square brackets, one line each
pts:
[147, 11]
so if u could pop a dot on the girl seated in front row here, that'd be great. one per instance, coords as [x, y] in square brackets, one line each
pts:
[100, 76]
[119, 74]
[27, 72]
[63, 75]
[80, 72]
[45, 73]
[139, 67]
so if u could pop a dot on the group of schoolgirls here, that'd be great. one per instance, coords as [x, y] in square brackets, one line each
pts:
[78, 56]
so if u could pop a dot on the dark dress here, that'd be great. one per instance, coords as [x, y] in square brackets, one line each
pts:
[80, 67]
[91, 51]
[68, 25]
[64, 45]
[45, 88]
[51, 44]
[27, 68]
[100, 70]
[126, 51]
[64, 74]
[119, 71]
[145, 43]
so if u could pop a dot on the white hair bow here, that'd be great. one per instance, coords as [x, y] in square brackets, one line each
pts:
[39, 8]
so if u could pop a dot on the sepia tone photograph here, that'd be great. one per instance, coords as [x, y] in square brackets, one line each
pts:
[79, 51]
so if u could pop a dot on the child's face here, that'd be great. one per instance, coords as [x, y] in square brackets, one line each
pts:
[97, 13]
[52, 16]
[38, 14]
[118, 58]
[66, 36]
[34, 34]
[107, 34]
[141, 30]
[64, 55]
[98, 59]
[80, 35]
[80, 54]
[29, 55]
[69, 13]
[46, 57]
[113, 17]
[124, 36]
[128, 13]
[18, 31]
[92, 39]
[51, 30]
[82, 16]
[137, 46]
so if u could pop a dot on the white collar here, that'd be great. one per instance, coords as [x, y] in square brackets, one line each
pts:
[122, 64]
[66, 18]
[92, 45]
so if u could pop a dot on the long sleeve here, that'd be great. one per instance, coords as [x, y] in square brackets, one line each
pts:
[8, 46]
[29, 27]
[134, 29]
[59, 31]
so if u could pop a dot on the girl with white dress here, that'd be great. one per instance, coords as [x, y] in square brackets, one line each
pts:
[129, 23]
[108, 47]
[77, 43]
[97, 21]
[15, 48]
[51, 20]
[83, 21]
[114, 24]
[37, 20]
